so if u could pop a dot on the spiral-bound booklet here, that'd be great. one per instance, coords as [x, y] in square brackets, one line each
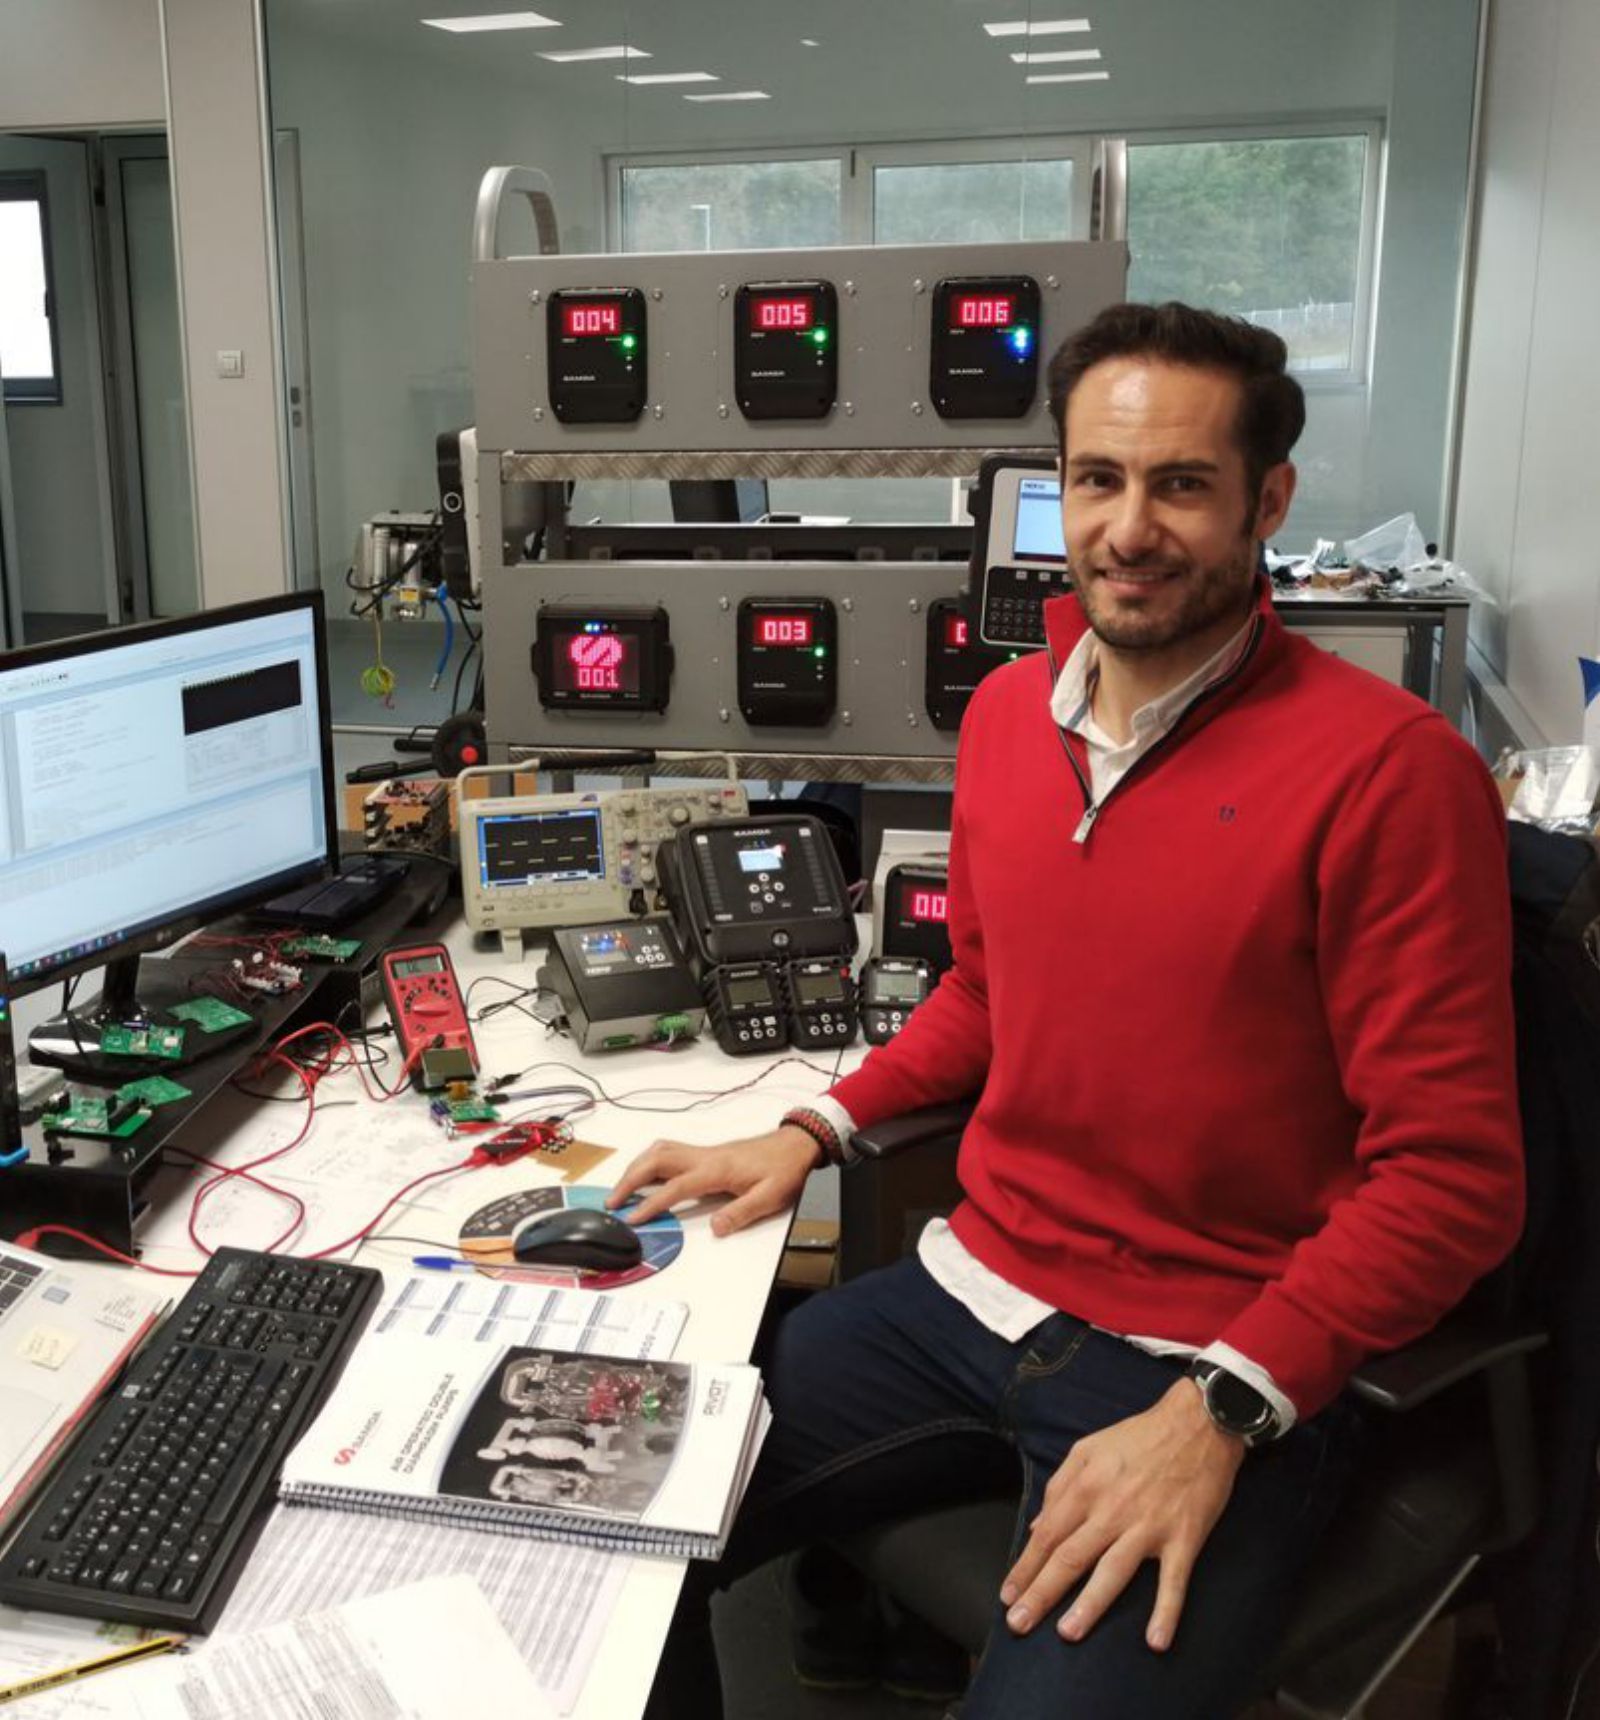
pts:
[641, 1456]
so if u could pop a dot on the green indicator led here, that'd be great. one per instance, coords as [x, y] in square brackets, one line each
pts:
[629, 342]
[820, 336]
[819, 651]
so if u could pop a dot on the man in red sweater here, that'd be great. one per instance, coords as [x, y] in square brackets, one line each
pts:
[1232, 979]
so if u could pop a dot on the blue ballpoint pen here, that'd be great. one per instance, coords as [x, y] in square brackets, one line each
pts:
[442, 1262]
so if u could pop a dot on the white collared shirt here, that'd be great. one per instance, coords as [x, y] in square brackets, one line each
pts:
[1001, 1306]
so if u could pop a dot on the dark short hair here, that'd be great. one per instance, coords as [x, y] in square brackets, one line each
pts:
[1272, 407]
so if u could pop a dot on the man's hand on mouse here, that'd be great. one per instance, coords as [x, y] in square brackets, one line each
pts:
[765, 1173]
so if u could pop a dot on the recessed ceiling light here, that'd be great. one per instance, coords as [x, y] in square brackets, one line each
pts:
[809, 42]
[732, 96]
[495, 21]
[1056, 56]
[667, 78]
[1041, 27]
[571, 56]
[1068, 77]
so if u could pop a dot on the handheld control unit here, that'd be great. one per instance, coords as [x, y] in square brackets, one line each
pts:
[533, 861]
[428, 1013]
[822, 1004]
[1019, 553]
[916, 913]
[599, 370]
[890, 988]
[603, 657]
[957, 660]
[788, 661]
[748, 891]
[746, 1007]
[984, 346]
[622, 984]
[785, 355]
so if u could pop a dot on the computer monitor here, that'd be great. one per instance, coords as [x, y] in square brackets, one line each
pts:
[723, 501]
[152, 779]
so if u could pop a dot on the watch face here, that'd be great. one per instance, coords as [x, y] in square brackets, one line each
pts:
[1235, 1406]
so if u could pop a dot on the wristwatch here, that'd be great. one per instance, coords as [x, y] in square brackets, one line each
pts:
[1234, 1404]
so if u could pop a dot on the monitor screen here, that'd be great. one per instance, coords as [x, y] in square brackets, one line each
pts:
[1038, 531]
[153, 778]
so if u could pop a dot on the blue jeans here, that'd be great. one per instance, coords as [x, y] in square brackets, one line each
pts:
[891, 1399]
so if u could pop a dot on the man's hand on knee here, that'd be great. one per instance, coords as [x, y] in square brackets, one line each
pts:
[1150, 1487]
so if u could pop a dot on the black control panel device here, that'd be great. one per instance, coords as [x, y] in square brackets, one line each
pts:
[788, 661]
[757, 890]
[597, 347]
[957, 660]
[746, 1007]
[916, 913]
[152, 1514]
[785, 350]
[890, 988]
[602, 657]
[1019, 551]
[984, 346]
[622, 984]
[821, 997]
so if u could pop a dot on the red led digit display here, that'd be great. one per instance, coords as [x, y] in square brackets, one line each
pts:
[982, 310]
[930, 906]
[598, 663]
[600, 316]
[957, 633]
[783, 630]
[770, 314]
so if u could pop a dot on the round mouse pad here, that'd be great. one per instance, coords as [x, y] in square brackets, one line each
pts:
[489, 1235]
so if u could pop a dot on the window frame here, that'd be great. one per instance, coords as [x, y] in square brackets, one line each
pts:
[859, 162]
[31, 186]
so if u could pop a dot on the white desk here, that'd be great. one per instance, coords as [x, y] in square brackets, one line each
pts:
[724, 1281]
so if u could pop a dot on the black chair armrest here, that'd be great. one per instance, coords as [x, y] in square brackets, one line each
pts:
[912, 1129]
[1404, 1378]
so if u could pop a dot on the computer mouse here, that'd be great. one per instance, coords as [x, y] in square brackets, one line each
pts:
[581, 1236]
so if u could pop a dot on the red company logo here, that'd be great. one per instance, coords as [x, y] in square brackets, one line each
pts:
[346, 1455]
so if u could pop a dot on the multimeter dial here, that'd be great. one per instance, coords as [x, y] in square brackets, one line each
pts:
[597, 354]
[984, 346]
[603, 657]
[785, 349]
[788, 661]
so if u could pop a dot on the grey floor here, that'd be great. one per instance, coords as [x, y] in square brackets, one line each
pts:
[758, 1684]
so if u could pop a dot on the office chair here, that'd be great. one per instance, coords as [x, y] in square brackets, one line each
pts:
[1448, 1476]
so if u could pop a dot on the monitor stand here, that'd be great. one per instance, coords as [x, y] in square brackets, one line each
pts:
[71, 1042]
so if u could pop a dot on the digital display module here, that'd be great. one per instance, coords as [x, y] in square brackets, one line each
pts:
[605, 657]
[784, 630]
[769, 314]
[594, 316]
[983, 310]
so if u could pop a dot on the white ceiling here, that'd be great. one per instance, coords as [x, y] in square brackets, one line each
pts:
[898, 68]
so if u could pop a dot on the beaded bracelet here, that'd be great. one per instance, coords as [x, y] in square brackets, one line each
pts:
[814, 1124]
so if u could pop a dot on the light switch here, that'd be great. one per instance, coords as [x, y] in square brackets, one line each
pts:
[230, 364]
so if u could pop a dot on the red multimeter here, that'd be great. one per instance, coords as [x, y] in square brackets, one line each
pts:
[428, 1013]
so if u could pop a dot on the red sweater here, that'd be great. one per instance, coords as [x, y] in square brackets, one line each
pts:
[1245, 1050]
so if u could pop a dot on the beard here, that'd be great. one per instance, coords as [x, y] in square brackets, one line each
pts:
[1208, 594]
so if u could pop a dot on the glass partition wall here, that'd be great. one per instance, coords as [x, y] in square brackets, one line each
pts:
[1302, 165]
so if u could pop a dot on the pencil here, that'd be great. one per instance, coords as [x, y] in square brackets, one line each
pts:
[103, 1663]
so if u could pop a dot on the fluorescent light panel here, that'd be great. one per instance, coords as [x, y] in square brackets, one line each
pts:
[1068, 78]
[1042, 27]
[668, 78]
[571, 56]
[494, 21]
[732, 96]
[1056, 56]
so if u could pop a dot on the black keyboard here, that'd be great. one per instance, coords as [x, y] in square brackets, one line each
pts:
[1012, 611]
[153, 1512]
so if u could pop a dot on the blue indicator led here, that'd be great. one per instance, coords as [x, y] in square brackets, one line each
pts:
[1021, 339]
